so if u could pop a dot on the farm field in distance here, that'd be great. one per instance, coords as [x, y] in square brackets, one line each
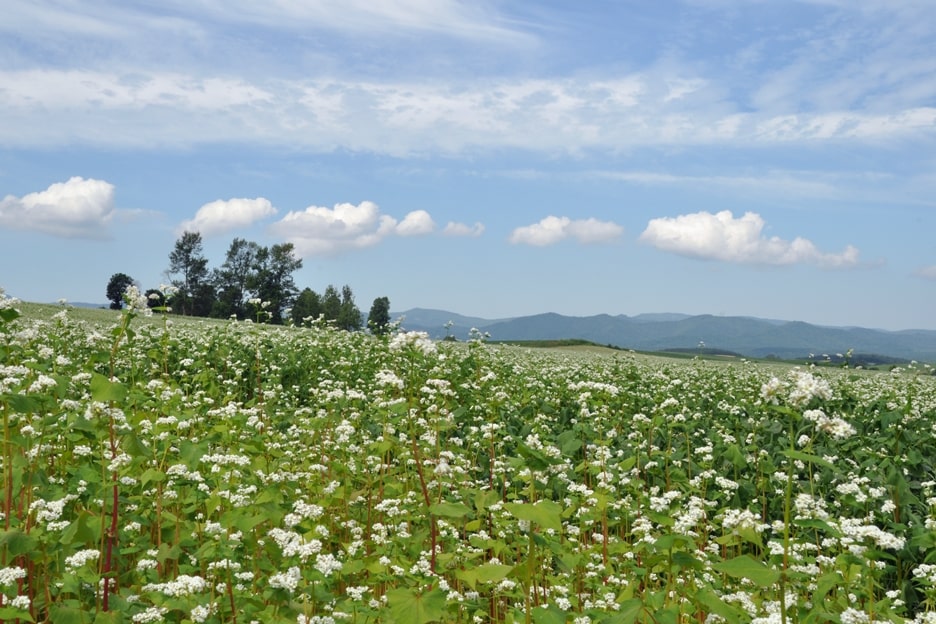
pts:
[158, 469]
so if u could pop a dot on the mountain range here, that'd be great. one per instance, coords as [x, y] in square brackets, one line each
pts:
[746, 336]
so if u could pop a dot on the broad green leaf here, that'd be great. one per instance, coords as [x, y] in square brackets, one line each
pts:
[85, 529]
[17, 542]
[66, 615]
[816, 523]
[450, 510]
[733, 454]
[152, 474]
[549, 615]
[710, 602]
[10, 614]
[750, 568]
[627, 614]
[808, 458]
[492, 572]
[410, 607]
[685, 560]
[670, 540]
[105, 390]
[545, 513]
[114, 616]
[22, 403]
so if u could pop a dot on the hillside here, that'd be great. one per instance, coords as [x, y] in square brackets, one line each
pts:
[751, 337]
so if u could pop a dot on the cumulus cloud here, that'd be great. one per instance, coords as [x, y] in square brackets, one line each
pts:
[416, 223]
[927, 272]
[551, 230]
[318, 230]
[222, 216]
[454, 228]
[78, 208]
[723, 237]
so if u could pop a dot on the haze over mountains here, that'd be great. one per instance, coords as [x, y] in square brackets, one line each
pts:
[747, 336]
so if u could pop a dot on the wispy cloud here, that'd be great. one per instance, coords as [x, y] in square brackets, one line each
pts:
[222, 216]
[57, 107]
[551, 230]
[740, 240]
[78, 208]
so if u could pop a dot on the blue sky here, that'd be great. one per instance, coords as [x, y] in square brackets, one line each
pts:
[492, 158]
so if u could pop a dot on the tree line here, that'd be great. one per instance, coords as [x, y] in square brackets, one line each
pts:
[253, 282]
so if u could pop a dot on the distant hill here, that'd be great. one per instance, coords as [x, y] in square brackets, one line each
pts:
[751, 337]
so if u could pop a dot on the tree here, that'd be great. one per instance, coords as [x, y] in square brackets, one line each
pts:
[232, 280]
[195, 294]
[272, 280]
[155, 298]
[379, 318]
[331, 303]
[116, 287]
[307, 304]
[349, 316]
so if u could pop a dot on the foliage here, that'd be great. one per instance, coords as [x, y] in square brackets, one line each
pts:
[271, 280]
[378, 320]
[195, 294]
[116, 287]
[232, 281]
[173, 470]
[307, 307]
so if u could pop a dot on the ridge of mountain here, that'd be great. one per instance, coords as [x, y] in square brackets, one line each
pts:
[749, 336]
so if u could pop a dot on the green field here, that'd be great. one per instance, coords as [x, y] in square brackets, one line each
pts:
[158, 469]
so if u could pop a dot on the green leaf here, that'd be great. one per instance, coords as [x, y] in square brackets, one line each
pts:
[750, 568]
[549, 615]
[66, 615]
[104, 390]
[85, 529]
[627, 614]
[450, 510]
[17, 542]
[733, 454]
[8, 314]
[22, 403]
[152, 475]
[710, 602]
[809, 459]
[492, 572]
[668, 541]
[410, 607]
[816, 523]
[545, 513]
[114, 616]
[11, 614]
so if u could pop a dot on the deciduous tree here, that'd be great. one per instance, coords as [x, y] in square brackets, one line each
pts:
[116, 287]
[233, 279]
[273, 280]
[187, 260]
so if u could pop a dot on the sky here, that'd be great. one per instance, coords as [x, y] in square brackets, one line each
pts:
[492, 158]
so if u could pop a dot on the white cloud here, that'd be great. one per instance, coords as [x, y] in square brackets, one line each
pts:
[722, 237]
[454, 228]
[57, 107]
[416, 223]
[78, 208]
[927, 272]
[452, 18]
[222, 216]
[320, 231]
[551, 230]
